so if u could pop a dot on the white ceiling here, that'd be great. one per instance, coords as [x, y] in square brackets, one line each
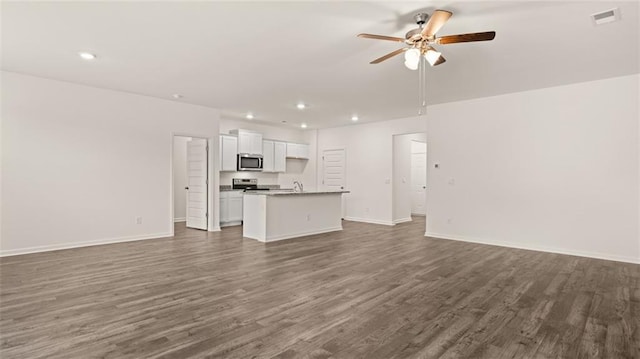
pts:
[264, 57]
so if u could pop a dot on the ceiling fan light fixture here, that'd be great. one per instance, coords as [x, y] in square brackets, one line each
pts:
[412, 65]
[432, 56]
[412, 58]
[412, 55]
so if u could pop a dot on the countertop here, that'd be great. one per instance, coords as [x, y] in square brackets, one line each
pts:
[225, 188]
[292, 193]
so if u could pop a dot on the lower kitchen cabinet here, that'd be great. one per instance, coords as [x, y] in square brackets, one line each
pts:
[231, 208]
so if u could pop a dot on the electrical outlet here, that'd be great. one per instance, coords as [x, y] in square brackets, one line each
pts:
[366, 209]
[449, 220]
[138, 220]
[308, 217]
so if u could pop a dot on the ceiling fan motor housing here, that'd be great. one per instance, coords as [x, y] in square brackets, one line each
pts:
[421, 18]
[415, 35]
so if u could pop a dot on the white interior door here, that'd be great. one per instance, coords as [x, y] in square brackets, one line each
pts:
[197, 183]
[418, 177]
[333, 172]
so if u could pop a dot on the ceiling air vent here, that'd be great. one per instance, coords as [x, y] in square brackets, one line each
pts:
[606, 17]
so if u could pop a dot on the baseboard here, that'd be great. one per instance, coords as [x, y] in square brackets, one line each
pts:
[367, 220]
[418, 214]
[302, 234]
[536, 248]
[402, 220]
[180, 219]
[57, 247]
[215, 229]
[230, 224]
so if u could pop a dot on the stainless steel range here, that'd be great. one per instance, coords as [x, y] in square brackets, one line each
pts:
[247, 184]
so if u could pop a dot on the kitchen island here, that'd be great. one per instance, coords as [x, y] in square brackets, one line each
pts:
[274, 215]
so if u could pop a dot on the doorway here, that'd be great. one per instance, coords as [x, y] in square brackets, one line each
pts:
[409, 176]
[190, 182]
[418, 178]
[333, 172]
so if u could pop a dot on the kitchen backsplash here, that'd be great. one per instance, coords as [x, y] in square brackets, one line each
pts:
[226, 178]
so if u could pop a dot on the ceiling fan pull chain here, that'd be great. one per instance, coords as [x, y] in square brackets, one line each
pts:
[424, 83]
[420, 85]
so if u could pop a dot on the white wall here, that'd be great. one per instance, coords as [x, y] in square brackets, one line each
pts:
[369, 165]
[555, 169]
[180, 178]
[401, 182]
[79, 164]
[297, 170]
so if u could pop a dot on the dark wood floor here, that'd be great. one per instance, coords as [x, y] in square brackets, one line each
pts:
[368, 292]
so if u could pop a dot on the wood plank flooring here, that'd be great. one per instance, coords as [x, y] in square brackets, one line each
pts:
[369, 291]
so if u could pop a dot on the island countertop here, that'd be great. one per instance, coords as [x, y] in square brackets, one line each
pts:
[292, 193]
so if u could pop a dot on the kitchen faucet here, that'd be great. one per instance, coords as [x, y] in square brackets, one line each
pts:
[300, 187]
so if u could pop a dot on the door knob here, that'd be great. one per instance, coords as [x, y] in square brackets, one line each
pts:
[186, 188]
[424, 187]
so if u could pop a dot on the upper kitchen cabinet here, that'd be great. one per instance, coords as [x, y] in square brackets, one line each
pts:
[274, 156]
[267, 156]
[228, 153]
[249, 142]
[279, 157]
[297, 150]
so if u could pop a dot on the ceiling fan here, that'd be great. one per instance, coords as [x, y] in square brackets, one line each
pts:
[422, 39]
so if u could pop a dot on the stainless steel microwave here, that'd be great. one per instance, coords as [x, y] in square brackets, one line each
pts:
[248, 162]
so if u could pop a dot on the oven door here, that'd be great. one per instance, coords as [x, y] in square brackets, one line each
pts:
[249, 162]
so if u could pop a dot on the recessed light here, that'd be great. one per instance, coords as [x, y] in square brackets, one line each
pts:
[354, 118]
[283, 121]
[301, 106]
[304, 125]
[249, 116]
[177, 96]
[87, 55]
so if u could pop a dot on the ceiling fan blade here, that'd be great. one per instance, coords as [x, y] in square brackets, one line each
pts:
[476, 36]
[389, 55]
[435, 22]
[381, 37]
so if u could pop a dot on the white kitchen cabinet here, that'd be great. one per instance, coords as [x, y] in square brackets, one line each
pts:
[228, 152]
[235, 207]
[230, 208]
[274, 156]
[303, 151]
[249, 142]
[224, 207]
[292, 150]
[297, 150]
[268, 159]
[279, 157]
